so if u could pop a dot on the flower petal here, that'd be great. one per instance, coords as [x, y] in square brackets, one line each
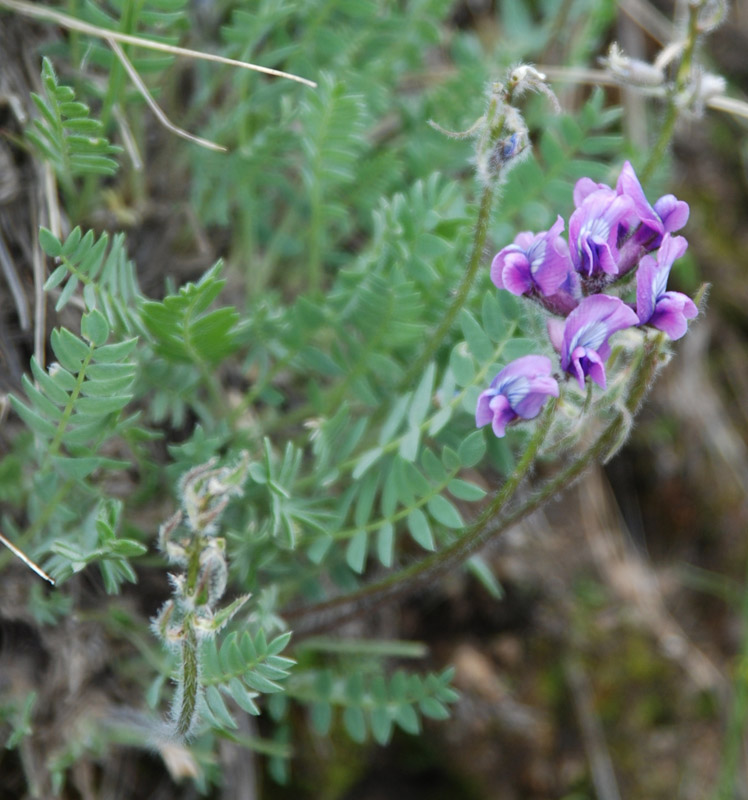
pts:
[585, 187]
[519, 390]
[673, 309]
[483, 413]
[526, 367]
[588, 327]
[628, 185]
[502, 414]
[593, 231]
[516, 275]
[674, 213]
[541, 389]
[646, 296]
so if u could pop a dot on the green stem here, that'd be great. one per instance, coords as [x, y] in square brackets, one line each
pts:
[190, 681]
[479, 241]
[56, 443]
[128, 24]
[193, 565]
[673, 111]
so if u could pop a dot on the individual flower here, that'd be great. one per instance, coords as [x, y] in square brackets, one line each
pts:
[518, 391]
[535, 261]
[668, 214]
[666, 311]
[595, 226]
[583, 342]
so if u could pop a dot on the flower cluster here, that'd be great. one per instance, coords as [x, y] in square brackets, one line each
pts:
[612, 233]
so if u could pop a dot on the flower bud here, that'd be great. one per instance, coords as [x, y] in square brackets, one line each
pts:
[170, 543]
[632, 71]
[212, 575]
[206, 491]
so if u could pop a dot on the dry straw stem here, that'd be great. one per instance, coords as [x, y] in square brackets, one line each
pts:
[153, 105]
[71, 23]
[26, 560]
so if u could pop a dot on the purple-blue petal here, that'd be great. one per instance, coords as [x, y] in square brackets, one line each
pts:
[502, 414]
[672, 312]
[646, 293]
[525, 367]
[668, 214]
[628, 185]
[541, 388]
[593, 231]
[588, 327]
[533, 261]
[651, 288]
[673, 212]
[585, 187]
[516, 274]
[519, 390]
[483, 413]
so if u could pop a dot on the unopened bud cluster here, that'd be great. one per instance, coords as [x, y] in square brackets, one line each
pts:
[501, 133]
[188, 540]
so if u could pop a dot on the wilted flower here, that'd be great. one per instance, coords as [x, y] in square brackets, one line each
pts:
[535, 261]
[584, 345]
[518, 391]
[664, 310]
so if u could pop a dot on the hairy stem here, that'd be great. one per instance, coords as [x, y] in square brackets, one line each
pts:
[190, 681]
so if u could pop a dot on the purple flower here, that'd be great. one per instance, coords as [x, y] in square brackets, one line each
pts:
[666, 311]
[669, 214]
[519, 390]
[534, 261]
[584, 346]
[594, 227]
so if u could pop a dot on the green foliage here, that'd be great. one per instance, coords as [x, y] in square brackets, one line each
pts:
[73, 408]
[17, 715]
[346, 222]
[241, 669]
[182, 329]
[98, 543]
[101, 269]
[158, 20]
[66, 135]
[373, 705]
[78, 400]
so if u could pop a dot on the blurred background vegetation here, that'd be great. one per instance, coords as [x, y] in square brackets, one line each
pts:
[614, 663]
